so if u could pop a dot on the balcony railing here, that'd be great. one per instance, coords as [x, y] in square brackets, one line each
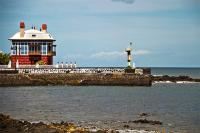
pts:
[4, 67]
[35, 53]
[52, 53]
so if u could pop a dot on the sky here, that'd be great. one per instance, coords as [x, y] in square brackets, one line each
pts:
[165, 33]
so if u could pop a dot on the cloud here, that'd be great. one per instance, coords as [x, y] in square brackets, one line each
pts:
[73, 56]
[117, 54]
[125, 1]
[141, 52]
[104, 55]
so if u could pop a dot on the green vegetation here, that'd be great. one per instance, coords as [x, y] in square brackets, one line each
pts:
[41, 62]
[4, 58]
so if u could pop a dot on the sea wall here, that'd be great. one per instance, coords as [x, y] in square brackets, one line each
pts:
[75, 79]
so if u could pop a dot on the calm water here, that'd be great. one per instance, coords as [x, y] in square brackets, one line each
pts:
[176, 105]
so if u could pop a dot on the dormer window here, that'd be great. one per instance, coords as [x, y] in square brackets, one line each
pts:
[33, 35]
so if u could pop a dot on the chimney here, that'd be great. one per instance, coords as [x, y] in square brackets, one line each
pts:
[44, 28]
[22, 28]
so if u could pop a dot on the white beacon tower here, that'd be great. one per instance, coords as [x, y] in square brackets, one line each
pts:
[129, 57]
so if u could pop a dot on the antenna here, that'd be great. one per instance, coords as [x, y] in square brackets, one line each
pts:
[131, 45]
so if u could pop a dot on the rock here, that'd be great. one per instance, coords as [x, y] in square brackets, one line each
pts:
[10, 125]
[101, 131]
[145, 121]
[144, 114]
[126, 126]
[174, 78]
[62, 122]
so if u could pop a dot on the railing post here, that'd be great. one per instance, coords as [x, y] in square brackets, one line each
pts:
[9, 64]
[17, 64]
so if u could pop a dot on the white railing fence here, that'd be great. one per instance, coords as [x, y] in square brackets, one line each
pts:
[71, 70]
[4, 66]
[61, 68]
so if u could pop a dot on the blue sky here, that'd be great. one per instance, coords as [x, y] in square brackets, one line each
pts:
[96, 32]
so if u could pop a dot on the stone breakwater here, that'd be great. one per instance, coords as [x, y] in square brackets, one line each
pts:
[75, 79]
[88, 79]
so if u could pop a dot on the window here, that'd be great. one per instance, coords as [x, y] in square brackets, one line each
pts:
[33, 35]
[23, 49]
[40, 46]
[44, 49]
[32, 48]
[54, 48]
[26, 48]
[13, 49]
[49, 48]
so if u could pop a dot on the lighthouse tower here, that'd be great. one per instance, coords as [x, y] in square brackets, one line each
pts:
[129, 58]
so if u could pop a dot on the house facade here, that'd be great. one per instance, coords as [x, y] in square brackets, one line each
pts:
[31, 46]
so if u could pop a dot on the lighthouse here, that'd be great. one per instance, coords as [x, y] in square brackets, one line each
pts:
[129, 58]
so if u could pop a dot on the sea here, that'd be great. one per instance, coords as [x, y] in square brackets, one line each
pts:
[176, 105]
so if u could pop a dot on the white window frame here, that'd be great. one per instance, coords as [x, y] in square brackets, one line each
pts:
[18, 46]
[25, 50]
[21, 51]
[44, 46]
[13, 51]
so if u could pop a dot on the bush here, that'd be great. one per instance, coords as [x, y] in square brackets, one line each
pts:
[4, 58]
[41, 62]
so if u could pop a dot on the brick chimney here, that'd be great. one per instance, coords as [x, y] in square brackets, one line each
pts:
[44, 28]
[22, 28]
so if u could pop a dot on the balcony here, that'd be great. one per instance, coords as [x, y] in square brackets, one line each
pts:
[35, 53]
[51, 53]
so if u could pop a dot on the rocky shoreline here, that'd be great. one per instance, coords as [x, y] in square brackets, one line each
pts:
[174, 79]
[8, 124]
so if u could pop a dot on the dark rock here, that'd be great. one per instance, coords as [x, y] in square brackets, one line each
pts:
[144, 114]
[126, 126]
[3, 126]
[62, 122]
[174, 78]
[10, 125]
[101, 131]
[114, 131]
[145, 121]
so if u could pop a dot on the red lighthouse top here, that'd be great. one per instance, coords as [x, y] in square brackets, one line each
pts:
[22, 25]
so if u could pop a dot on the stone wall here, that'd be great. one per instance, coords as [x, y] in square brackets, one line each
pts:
[74, 79]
